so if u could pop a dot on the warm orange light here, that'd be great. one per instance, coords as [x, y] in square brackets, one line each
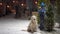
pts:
[13, 1]
[0, 3]
[36, 2]
[22, 4]
[8, 6]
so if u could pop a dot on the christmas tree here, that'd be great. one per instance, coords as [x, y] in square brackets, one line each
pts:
[50, 19]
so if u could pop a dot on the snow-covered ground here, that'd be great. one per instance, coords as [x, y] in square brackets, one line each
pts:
[15, 26]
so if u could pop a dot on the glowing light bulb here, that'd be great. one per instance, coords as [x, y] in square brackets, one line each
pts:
[8, 6]
[36, 2]
[13, 1]
[0, 3]
[22, 4]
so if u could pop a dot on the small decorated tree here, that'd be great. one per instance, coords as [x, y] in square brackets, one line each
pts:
[50, 19]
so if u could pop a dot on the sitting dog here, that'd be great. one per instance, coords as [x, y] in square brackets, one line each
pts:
[33, 24]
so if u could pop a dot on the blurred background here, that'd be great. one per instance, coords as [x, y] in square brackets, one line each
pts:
[15, 15]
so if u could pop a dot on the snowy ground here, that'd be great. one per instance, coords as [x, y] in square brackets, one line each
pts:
[15, 26]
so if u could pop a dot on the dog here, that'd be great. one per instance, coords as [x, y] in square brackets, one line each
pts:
[33, 24]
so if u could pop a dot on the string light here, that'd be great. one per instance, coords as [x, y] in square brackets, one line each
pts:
[36, 2]
[0, 3]
[13, 1]
[22, 4]
[8, 6]
[39, 7]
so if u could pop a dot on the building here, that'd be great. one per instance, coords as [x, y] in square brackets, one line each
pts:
[19, 7]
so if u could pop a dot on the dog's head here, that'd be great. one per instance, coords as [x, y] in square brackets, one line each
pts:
[33, 18]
